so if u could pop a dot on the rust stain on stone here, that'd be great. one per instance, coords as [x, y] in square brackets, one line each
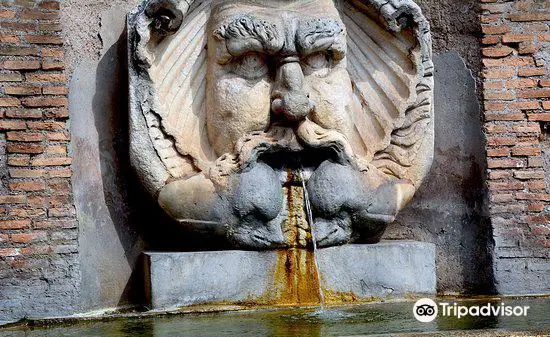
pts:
[295, 277]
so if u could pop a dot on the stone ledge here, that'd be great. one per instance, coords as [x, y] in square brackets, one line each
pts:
[351, 273]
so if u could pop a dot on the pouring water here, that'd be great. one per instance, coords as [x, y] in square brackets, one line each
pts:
[314, 241]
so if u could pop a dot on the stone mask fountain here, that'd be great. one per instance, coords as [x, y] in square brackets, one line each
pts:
[240, 109]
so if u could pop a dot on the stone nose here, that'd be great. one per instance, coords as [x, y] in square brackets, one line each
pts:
[289, 101]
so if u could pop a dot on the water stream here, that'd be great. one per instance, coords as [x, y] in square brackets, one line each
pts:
[313, 240]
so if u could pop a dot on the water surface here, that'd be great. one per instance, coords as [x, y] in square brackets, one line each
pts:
[383, 318]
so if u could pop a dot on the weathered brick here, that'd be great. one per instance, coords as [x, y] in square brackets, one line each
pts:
[47, 126]
[495, 29]
[52, 52]
[507, 208]
[535, 207]
[49, 27]
[24, 113]
[18, 26]
[533, 196]
[536, 185]
[27, 186]
[46, 77]
[535, 93]
[33, 14]
[60, 173]
[504, 117]
[22, 90]
[51, 161]
[53, 65]
[30, 148]
[62, 112]
[7, 14]
[524, 105]
[491, 39]
[56, 150]
[528, 72]
[503, 73]
[534, 162]
[45, 101]
[12, 125]
[501, 152]
[19, 160]
[9, 38]
[9, 252]
[55, 90]
[13, 199]
[502, 186]
[501, 141]
[495, 128]
[37, 250]
[499, 174]
[11, 77]
[529, 17]
[21, 64]
[9, 50]
[505, 163]
[527, 128]
[55, 223]
[502, 198]
[542, 117]
[27, 173]
[500, 96]
[29, 237]
[521, 83]
[25, 136]
[58, 136]
[9, 101]
[26, 213]
[497, 52]
[515, 38]
[61, 212]
[526, 175]
[15, 224]
[521, 61]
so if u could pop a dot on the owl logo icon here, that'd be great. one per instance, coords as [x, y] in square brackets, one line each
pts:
[425, 310]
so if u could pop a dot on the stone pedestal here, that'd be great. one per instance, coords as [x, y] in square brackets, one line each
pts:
[351, 273]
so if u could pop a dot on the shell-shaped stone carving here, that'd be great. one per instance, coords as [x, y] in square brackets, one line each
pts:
[389, 62]
[384, 133]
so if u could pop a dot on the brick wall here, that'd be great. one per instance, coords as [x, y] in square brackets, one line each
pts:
[516, 60]
[38, 229]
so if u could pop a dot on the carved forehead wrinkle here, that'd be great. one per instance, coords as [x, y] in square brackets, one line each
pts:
[319, 34]
[250, 25]
[247, 32]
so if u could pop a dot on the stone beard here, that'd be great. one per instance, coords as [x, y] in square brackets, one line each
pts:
[272, 97]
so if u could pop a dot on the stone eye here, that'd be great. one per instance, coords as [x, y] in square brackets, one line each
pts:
[318, 63]
[252, 66]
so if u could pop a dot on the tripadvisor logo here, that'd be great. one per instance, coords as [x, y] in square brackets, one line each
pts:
[426, 310]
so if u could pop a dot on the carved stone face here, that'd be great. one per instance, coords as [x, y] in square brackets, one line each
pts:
[275, 66]
[242, 111]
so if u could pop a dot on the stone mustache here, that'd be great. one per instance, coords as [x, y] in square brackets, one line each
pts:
[235, 105]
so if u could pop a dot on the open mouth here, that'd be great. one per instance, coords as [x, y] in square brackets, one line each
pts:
[307, 159]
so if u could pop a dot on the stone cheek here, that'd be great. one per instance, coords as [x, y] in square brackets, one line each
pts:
[243, 122]
[234, 107]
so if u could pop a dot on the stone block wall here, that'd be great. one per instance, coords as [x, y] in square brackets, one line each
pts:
[516, 61]
[38, 228]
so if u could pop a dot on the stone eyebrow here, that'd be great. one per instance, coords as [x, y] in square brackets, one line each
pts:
[253, 33]
[318, 34]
